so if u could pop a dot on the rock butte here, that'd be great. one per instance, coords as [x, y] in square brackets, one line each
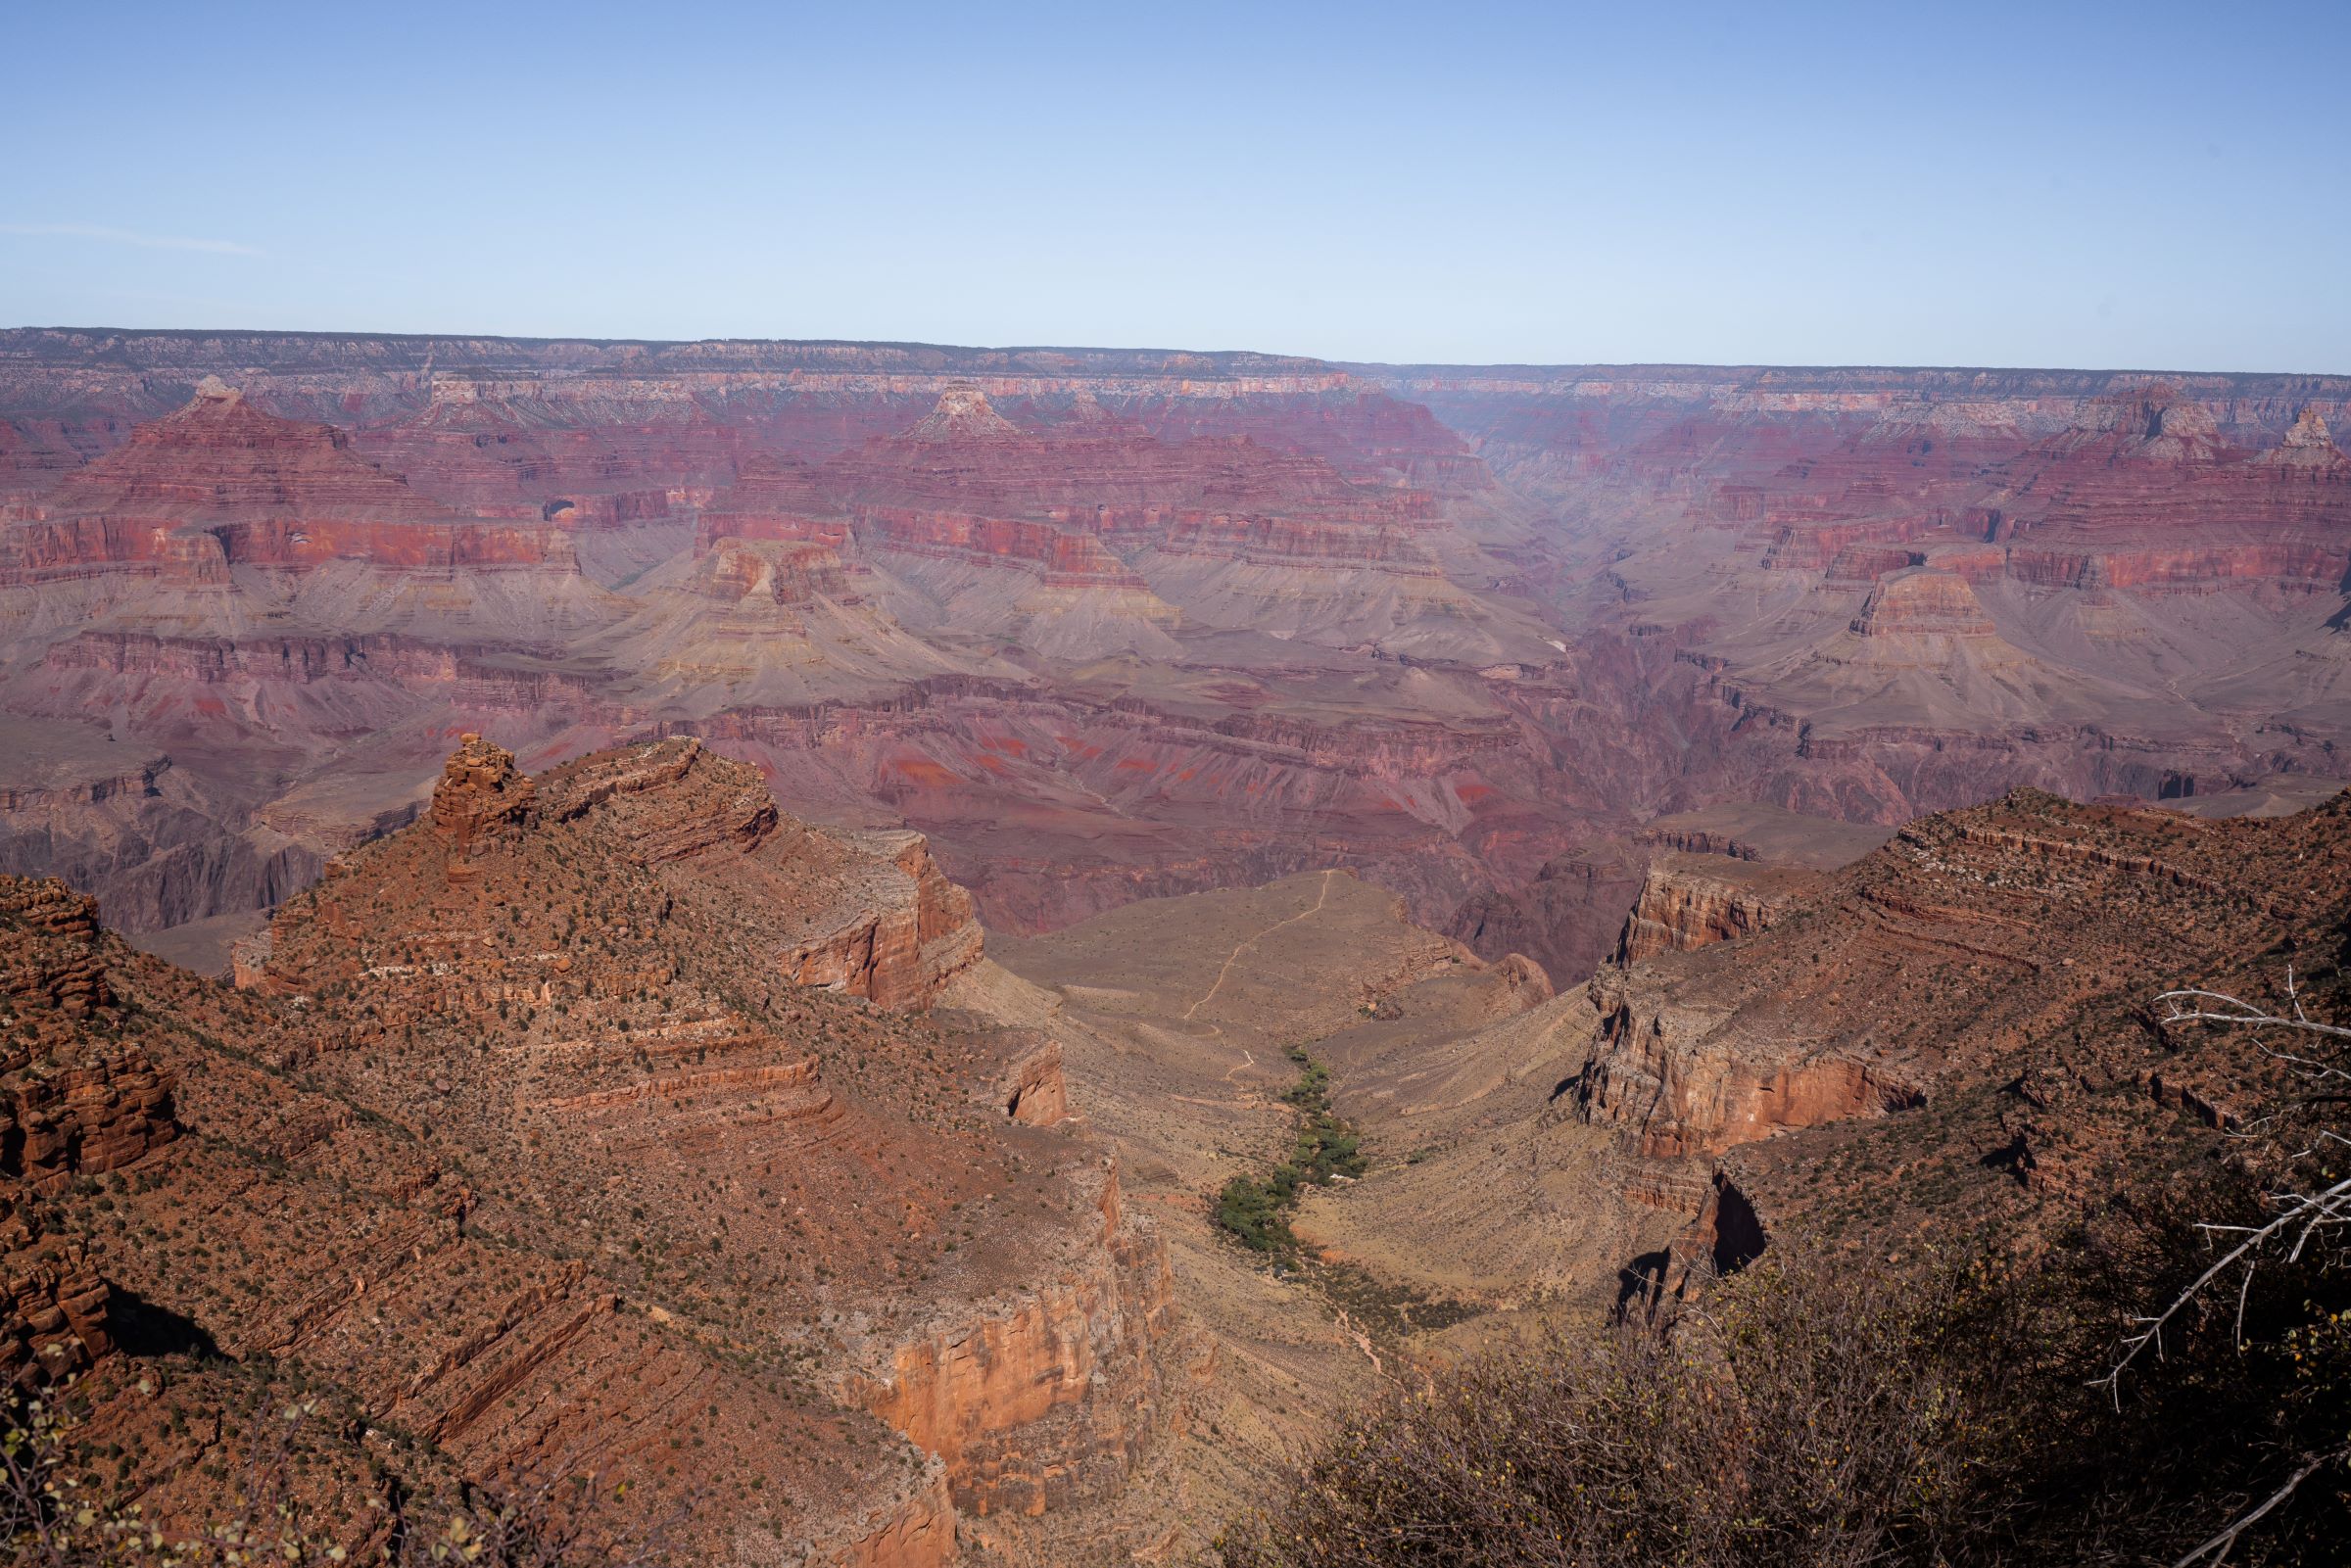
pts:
[473, 1086]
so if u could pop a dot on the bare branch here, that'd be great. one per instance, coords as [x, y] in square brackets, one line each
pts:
[2238, 1011]
[2217, 1547]
[2327, 1208]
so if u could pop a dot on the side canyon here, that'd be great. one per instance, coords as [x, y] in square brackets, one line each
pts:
[727, 916]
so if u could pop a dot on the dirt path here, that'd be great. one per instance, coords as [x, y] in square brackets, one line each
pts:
[1361, 1340]
[1248, 942]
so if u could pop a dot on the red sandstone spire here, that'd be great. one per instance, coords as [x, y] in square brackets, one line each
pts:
[480, 792]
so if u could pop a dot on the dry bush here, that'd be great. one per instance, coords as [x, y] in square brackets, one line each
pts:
[2167, 1384]
[1805, 1413]
[2243, 1338]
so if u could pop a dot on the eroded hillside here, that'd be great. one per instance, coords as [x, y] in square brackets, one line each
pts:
[611, 1119]
[1112, 624]
[590, 1125]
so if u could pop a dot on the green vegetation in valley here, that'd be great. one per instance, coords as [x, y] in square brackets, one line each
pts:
[2162, 1375]
[1255, 1210]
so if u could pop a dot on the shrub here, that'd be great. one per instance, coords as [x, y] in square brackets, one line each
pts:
[1254, 1210]
[1805, 1415]
[2168, 1383]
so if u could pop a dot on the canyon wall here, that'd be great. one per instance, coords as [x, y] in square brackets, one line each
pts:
[1975, 994]
[1108, 624]
[1690, 901]
[563, 1109]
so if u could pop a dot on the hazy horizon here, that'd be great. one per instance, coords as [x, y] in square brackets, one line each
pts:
[1831, 185]
[623, 338]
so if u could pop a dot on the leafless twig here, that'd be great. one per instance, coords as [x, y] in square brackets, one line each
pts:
[2302, 1216]
[2218, 1547]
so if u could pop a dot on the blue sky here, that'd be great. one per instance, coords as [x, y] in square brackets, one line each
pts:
[2049, 184]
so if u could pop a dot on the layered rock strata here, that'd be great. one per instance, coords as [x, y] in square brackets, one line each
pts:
[522, 1108]
[1070, 613]
[1974, 992]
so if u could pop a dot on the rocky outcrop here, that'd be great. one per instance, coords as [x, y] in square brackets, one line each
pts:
[1724, 1236]
[71, 1103]
[1052, 1399]
[1033, 1088]
[860, 1263]
[898, 933]
[81, 1111]
[1524, 985]
[52, 1309]
[52, 960]
[2008, 945]
[963, 414]
[1688, 1080]
[481, 799]
[919, 1532]
[74, 1103]
[1689, 901]
[2308, 447]
[869, 913]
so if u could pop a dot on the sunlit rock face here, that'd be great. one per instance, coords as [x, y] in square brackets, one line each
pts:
[625, 999]
[1106, 624]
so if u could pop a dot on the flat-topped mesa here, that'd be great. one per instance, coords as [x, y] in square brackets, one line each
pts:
[1866, 563]
[775, 499]
[482, 797]
[1301, 541]
[779, 573]
[1044, 548]
[1923, 602]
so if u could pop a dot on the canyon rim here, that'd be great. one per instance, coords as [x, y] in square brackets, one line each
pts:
[744, 900]
[1524, 786]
